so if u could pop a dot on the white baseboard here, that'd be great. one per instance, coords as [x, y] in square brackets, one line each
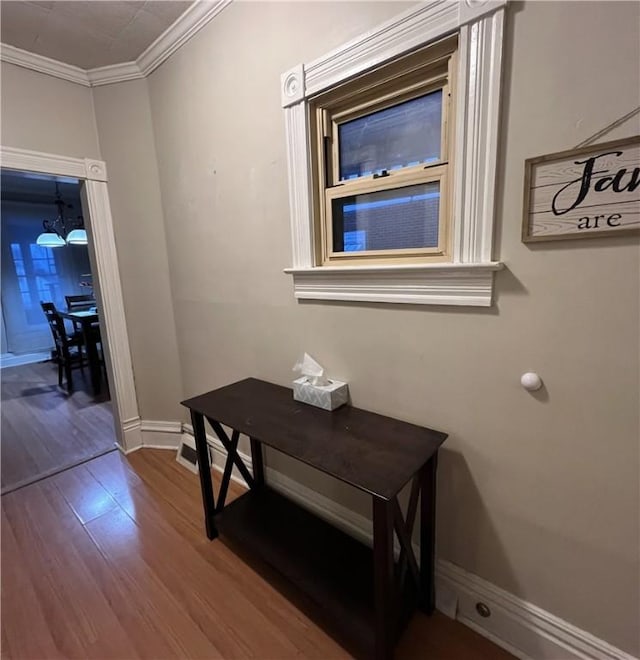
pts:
[151, 434]
[131, 436]
[525, 630]
[11, 360]
[161, 435]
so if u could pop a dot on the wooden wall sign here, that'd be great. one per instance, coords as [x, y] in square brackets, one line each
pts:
[587, 192]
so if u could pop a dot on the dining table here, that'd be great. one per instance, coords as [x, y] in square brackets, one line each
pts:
[87, 320]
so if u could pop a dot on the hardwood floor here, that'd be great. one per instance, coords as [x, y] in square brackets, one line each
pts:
[109, 560]
[44, 429]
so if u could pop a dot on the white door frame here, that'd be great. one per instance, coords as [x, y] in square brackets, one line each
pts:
[93, 173]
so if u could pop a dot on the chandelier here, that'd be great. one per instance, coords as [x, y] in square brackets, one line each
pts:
[61, 231]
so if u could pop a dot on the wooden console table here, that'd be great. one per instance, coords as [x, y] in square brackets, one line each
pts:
[367, 591]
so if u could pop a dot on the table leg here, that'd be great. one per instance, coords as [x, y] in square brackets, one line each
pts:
[428, 534]
[204, 470]
[383, 567]
[257, 462]
[92, 357]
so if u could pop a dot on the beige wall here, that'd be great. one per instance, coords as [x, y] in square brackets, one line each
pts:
[126, 143]
[538, 493]
[46, 114]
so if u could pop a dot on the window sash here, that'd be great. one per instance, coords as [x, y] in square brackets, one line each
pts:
[417, 175]
[356, 113]
[393, 85]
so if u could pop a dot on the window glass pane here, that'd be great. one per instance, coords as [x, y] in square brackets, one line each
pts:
[403, 135]
[387, 220]
[16, 251]
[38, 252]
[43, 261]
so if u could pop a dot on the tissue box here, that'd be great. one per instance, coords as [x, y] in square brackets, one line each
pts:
[329, 396]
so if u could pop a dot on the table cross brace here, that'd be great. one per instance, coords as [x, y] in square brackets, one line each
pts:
[231, 445]
[404, 531]
[226, 475]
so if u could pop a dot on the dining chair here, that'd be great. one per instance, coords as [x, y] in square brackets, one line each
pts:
[94, 336]
[68, 348]
[80, 302]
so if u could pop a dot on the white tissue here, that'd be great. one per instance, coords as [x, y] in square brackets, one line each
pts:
[313, 371]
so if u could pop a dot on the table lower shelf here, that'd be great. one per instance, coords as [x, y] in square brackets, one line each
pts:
[333, 570]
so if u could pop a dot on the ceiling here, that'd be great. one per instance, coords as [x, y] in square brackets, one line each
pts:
[87, 33]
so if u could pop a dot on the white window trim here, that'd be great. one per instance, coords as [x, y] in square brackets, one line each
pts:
[468, 280]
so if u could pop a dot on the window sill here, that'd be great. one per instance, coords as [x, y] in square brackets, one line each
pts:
[432, 284]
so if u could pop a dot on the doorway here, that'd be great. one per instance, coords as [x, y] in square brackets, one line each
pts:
[46, 427]
[91, 176]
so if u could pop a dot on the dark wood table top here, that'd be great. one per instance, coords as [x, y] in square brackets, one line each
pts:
[374, 453]
[82, 316]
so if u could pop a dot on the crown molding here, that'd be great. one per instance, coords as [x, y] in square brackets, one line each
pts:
[43, 64]
[114, 73]
[174, 37]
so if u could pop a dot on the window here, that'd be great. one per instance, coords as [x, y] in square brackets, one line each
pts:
[32, 273]
[392, 143]
[37, 279]
[381, 161]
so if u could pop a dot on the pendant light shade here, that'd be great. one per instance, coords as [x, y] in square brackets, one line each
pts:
[50, 239]
[59, 232]
[77, 237]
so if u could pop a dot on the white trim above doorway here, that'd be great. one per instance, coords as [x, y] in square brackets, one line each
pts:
[93, 173]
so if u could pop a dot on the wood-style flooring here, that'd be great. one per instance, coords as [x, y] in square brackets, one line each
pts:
[109, 560]
[44, 429]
